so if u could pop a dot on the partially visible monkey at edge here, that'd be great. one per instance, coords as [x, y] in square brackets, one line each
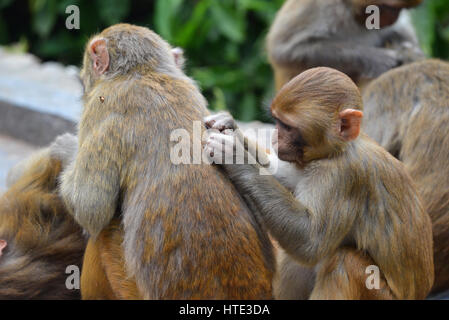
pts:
[184, 232]
[341, 202]
[38, 237]
[407, 112]
[332, 33]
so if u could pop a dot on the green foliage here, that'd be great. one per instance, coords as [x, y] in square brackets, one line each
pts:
[223, 39]
[431, 20]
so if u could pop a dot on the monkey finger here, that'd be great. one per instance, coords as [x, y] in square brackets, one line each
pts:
[220, 121]
[214, 154]
[222, 138]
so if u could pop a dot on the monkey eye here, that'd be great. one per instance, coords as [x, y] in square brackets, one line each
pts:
[283, 125]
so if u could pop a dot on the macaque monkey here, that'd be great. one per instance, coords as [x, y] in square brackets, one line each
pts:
[38, 238]
[159, 230]
[407, 112]
[333, 33]
[342, 205]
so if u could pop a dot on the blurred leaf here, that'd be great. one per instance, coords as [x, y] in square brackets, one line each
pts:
[219, 101]
[44, 16]
[163, 16]
[424, 21]
[19, 47]
[248, 107]
[5, 3]
[113, 11]
[445, 34]
[187, 32]
[228, 21]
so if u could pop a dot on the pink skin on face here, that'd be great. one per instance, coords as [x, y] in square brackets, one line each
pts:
[3, 245]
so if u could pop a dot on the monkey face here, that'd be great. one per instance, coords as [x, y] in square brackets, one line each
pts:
[389, 10]
[289, 142]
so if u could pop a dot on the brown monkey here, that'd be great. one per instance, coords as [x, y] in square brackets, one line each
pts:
[333, 33]
[186, 233]
[353, 204]
[410, 119]
[38, 238]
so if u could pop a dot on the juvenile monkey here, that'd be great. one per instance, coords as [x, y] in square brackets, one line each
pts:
[410, 119]
[341, 204]
[186, 233]
[333, 33]
[38, 238]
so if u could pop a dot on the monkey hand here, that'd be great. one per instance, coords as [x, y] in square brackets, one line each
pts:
[381, 62]
[230, 148]
[410, 53]
[221, 121]
[220, 147]
[64, 148]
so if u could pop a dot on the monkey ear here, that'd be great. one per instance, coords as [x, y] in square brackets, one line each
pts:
[100, 56]
[3, 245]
[350, 122]
[178, 54]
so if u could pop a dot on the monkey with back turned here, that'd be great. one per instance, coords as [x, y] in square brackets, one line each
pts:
[407, 112]
[183, 232]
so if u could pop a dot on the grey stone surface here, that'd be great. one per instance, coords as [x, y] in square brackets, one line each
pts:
[48, 87]
[11, 152]
[37, 101]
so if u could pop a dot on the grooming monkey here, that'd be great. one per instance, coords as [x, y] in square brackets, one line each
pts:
[410, 120]
[38, 238]
[332, 33]
[341, 202]
[184, 232]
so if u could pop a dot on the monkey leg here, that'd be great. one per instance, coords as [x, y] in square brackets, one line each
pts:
[104, 275]
[292, 281]
[441, 256]
[94, 282]
[343, 277]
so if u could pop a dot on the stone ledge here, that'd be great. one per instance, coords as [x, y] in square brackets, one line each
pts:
[39, 101]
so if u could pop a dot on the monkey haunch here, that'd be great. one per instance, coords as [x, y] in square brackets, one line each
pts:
[407, 112]
[41, 238]
[353, 205]
[332, 33]
[186, 233]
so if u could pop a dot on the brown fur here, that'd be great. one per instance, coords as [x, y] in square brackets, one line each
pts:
[186, 232]
[43, 239]
[332, 33]
[407, 112]
[353, 204]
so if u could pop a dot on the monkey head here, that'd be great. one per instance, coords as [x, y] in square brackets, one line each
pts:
[125, 48]
[389, 9]
[316, 114]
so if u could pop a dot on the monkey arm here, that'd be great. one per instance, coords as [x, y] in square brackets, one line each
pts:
[303, 234]
[298, 230]
[351, 58]
[90, 185]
